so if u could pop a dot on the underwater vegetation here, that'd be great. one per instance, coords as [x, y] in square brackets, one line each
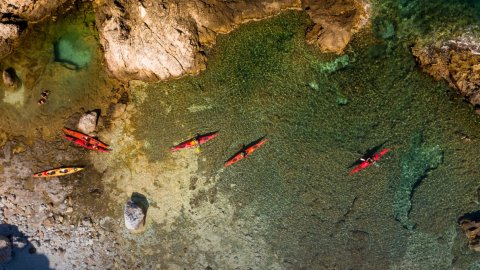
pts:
[414, 166]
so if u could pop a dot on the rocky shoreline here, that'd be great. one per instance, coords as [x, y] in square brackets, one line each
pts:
[153, 41]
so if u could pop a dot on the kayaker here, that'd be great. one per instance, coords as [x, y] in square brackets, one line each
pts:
[368, 160]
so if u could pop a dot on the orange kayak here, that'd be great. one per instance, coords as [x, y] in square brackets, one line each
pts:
[245, 152]
[195, 141]
[58, 172]
[88, 139]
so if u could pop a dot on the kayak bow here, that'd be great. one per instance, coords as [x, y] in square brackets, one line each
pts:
[245, 152]
[58, 172]
[376, 157]
[195, 141]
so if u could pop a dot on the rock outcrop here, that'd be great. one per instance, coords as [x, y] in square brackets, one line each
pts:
[470, 224]
[335, 22]
[9, 33]
[457, 61]
[30, 10]
[151, 40]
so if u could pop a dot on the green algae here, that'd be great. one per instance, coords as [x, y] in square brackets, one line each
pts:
[414, 166]
[72, 49]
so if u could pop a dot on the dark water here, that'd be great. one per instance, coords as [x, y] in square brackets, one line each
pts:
[320, 112]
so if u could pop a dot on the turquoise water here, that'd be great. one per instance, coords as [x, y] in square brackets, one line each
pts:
[320, 113]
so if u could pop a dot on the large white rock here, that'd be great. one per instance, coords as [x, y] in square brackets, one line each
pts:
[154, 40]
[88, 122]
[134, 216]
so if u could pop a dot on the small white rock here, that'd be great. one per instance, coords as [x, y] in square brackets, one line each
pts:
[88, 122]
[5, 249]
[134, 216]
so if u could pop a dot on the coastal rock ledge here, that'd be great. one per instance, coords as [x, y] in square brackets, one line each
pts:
[457, 61]
[156, 40]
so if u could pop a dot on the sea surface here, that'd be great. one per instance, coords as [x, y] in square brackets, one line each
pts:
[320, 113]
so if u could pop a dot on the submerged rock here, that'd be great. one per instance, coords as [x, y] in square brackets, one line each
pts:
[335, 22]
[9, 77]
[134, 216]
[153, 40]
[5, 249]
[414, 166]
[457, 61]
[470, 224]
[88, 122]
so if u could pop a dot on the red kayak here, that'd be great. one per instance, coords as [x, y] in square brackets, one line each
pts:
[195, 141]
[85, 144]
[89, 139]
[245, 152]
[366, 163]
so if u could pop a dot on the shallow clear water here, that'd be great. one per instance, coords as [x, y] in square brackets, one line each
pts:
[320, 112]
[262, 80]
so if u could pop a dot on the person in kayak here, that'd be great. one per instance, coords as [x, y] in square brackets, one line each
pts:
[370, 160]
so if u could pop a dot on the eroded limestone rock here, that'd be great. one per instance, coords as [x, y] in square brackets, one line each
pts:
[457, 61]
[134, 216]
[31, 10]
[151, 40]
[335, 22]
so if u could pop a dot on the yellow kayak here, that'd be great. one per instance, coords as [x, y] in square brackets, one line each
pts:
[58, 172]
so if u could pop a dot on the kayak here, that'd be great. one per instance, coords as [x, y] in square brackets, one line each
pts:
[85, 144]
[245, 152]
[58, 172]
[195, 141]
[375, 157]
[89, 139]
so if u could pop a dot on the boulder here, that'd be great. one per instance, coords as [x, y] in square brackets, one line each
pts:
[9, 77]
[456, 61]
[151, 40]
[88, 122]
[134, 216]
[470, 224]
